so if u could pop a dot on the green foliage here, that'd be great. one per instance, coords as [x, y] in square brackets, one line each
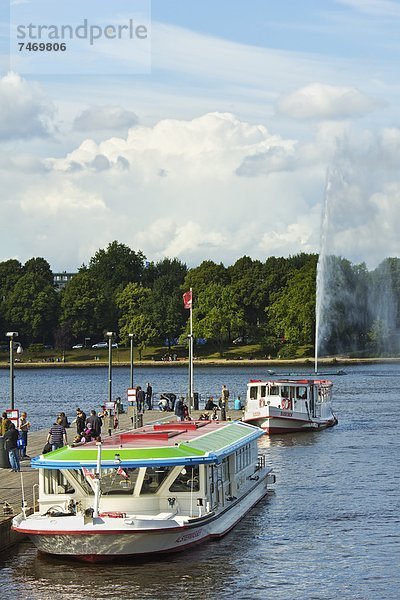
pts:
[83, 307]
[271, 302]
[292, 311]
[32, 306]
[217, 314]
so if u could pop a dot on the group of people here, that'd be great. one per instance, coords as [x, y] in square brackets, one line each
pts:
[87, 429]
[15, 439]
[144, 399]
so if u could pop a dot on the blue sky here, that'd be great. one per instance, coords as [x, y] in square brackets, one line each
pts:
[223, 148]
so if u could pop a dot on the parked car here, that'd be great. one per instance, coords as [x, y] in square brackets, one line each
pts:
[104, 345]
[242, 340]
[77, 347]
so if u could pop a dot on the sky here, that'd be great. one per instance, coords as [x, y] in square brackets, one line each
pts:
[231, 129]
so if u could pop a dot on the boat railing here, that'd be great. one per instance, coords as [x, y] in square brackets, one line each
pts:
[261, 462]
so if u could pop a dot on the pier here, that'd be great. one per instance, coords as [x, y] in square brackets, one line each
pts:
[10, 483]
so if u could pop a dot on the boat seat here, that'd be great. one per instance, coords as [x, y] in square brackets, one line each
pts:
[162, 516]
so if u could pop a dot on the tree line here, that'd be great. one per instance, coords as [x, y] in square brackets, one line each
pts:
[272, 302]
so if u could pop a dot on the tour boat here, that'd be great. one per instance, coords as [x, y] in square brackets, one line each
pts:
[161, 488]
[288, 405]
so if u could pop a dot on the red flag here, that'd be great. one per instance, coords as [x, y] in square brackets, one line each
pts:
[123, 473]
[87, 473]
[187, 299]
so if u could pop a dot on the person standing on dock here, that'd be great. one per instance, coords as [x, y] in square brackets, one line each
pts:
[149, 397]
[224, 396]
[24, 427]
[95, 423]
[11, 446]
[180, 409]
[140, 399]
[57, 435]
[80, 421]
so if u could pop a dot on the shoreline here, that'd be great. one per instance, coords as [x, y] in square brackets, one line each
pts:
[330, 361]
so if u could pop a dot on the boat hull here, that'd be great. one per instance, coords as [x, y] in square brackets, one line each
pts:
[289, 422]
[113, 538]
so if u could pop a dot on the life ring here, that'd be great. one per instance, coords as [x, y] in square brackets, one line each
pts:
[284, 403]
[262, 402]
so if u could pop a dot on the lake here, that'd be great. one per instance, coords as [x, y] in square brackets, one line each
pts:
[330, 529]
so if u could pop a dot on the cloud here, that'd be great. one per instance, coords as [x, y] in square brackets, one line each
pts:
[104, 118]
[212, 187]
[217, 142]
[322, 101]
[65, 199]
[382, 8]
[25, 110]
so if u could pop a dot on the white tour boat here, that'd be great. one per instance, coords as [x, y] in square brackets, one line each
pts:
[288, 405]
[157, 489]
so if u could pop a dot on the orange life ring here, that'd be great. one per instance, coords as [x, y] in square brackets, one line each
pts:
[284, 403]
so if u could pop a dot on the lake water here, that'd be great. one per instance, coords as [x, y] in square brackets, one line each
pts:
[329, 530]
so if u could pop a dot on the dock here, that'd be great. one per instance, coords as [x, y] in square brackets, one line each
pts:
[11, 483]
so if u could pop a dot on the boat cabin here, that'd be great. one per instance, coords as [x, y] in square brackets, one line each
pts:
[298, 395]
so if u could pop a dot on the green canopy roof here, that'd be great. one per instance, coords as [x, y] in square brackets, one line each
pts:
[211, 447]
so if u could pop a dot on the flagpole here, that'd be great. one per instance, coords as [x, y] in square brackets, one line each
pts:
[191, 352]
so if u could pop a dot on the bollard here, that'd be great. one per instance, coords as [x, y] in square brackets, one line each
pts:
[140, 420]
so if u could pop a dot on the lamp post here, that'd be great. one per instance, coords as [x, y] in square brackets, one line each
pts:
[110, 335]
[131, 343]
[12, 335]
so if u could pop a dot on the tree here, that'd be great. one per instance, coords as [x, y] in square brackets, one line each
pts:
[205, 274]
[132, 302]
[32, 307]
[216, 314]
[83, 307]
[10, 272]
[250, 291]
[39, 267]
[292, 311]
[115, 267]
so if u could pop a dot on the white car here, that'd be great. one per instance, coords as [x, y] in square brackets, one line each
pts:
[77, 346]
[104, 345]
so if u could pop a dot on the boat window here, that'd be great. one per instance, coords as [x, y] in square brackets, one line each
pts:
[253, 392]
[301, 393]
[56, 483]
[153, 479]
[187, 480]
[285, 391]
[118, 480]
[274, 390]
[243, 458]
[263, 391]
[81, 480]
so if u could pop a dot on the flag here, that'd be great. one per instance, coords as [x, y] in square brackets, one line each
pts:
[123, 473]
[87, 473]
[187, 299]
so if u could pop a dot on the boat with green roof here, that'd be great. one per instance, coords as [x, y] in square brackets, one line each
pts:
[161, 488]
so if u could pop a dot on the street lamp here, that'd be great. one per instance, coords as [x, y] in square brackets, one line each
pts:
[110, 335]
[131, 342]
[12, 335]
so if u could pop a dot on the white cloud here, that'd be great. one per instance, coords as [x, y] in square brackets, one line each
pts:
[25, 110]
[103, 118]
[322, 101]
[60, 201]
